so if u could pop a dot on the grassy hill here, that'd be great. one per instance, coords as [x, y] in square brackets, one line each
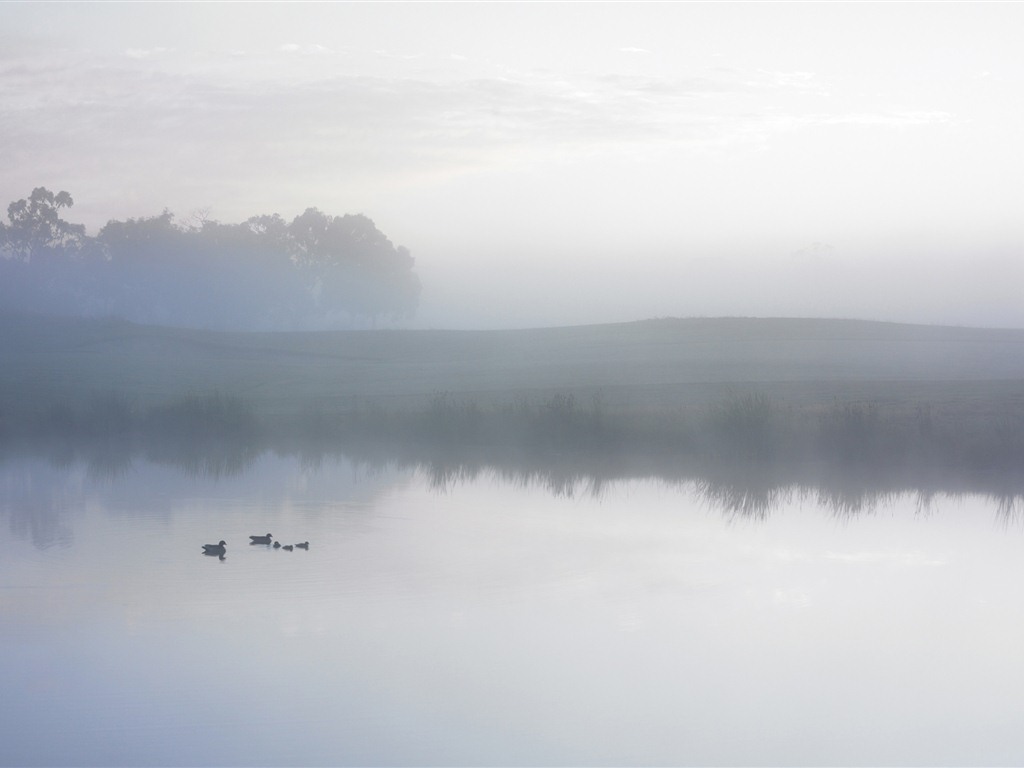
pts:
[652, 365]
[754, 404]
[746, 408]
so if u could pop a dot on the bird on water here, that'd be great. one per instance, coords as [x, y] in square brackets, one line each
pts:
[303, 545]
[215, 549]
[260, 539]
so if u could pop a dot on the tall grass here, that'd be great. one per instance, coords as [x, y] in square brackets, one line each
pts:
[553, 436]
[203, 418]
[744, 426]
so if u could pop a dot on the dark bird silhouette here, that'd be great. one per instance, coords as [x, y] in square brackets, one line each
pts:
[260, 539]
[303, 545]
[288, 547]
[215, 549]
[277, 545]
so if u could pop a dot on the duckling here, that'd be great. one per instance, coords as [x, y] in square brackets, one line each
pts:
[260, 539]
[303, 545]
[277, 545]
[215, 549]
[287, 547]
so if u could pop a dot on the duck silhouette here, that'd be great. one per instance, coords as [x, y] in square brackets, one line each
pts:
[288, 547]
[215, 549]
[277, 545]
[260, 539]
[303, 545]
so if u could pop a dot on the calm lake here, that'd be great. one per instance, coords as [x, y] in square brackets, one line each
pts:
[486, 620]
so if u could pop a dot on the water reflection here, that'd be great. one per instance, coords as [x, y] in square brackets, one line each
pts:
[463, 613]
[36, 500]
[749, 489]
[41, 522]
[36, 503]
[210, 458]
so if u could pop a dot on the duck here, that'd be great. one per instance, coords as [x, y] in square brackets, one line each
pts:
[260, 539]
[303, 545]
[288, 547]
[215, 549]
[277, 545]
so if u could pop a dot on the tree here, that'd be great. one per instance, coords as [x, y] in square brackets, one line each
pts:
[142, 240]
[37, 230]
[317, 271]
[355, 267]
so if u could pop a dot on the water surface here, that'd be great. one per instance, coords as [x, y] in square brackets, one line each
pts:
[488, 621]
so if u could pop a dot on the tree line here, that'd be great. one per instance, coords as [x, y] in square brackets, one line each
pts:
[315, 271]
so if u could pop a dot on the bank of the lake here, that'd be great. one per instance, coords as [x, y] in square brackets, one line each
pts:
[647, 396]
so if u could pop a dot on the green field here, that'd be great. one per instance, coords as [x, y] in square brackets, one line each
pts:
[671, 397]
[643, 366]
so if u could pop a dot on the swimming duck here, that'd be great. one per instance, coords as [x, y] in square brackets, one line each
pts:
[215, 549]
[303, 545]
[260, 539]
[277, 545]
[287, 547]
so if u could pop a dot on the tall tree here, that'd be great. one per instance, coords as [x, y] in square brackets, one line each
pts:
[36, 228]
[356, 268]
[317, 271]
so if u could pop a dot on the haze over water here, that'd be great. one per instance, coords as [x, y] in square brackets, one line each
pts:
[486, 622]
[708, 535]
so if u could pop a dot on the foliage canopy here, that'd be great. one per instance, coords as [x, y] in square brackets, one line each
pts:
[317, 271]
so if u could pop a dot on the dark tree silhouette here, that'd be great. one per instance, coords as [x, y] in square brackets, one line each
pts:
[318, 271]
[353, 264]
[36, 229]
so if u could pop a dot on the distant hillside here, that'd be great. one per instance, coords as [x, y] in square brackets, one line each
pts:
[653, 364]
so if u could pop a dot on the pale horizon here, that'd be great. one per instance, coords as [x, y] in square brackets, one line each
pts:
[560, 163]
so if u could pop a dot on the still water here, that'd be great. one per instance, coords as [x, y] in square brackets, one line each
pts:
[491, 621]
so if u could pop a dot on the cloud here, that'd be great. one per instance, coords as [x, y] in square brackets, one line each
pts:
[907, 559]
[814, 253]
[887, 119]
[161, 117]
[385, 54]
[796, 598]
[448, 118]
[309, 49]
[146, 53]
[804, 81]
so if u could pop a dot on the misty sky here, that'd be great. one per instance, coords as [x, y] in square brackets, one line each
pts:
[551, 163]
